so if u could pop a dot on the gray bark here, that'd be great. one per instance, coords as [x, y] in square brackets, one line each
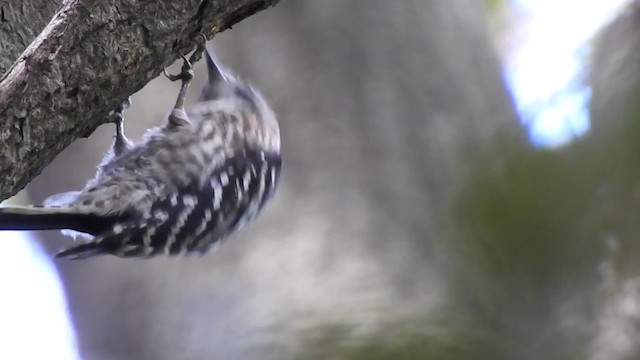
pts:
[20, 23]
[84, 62]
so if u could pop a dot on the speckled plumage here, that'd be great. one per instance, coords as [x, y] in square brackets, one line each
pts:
[183, 188]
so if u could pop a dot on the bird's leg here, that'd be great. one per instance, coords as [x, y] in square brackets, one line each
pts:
[121, 143]
[178, 115]
[186, 75]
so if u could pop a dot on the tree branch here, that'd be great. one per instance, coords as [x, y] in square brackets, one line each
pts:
[86, 61]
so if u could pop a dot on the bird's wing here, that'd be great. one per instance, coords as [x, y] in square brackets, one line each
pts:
[195, 217]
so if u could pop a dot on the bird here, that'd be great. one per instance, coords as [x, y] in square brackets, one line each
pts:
[183, 188]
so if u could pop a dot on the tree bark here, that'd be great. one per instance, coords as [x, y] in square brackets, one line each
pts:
[89, 58]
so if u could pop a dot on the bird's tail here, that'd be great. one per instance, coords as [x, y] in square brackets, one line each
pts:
[82, 251]
[50, 218]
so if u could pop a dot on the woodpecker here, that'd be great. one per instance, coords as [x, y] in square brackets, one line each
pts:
[185, 187]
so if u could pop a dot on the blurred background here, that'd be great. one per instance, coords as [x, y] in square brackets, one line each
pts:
[461, 181]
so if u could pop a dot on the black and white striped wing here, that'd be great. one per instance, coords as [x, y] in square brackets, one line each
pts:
[237, 193]
[196, 217]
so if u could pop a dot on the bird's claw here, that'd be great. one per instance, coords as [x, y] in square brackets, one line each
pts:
[178, 116]
[116, 115]
[186, 72]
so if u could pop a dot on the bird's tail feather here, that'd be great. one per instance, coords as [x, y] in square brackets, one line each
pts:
[125, 240]
[43, 218]
[82, 251]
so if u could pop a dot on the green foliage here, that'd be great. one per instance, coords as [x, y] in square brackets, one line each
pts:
[421, 338]
[494, 5]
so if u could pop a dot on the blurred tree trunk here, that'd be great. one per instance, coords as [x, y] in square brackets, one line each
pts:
[379, 104]
[614, 147]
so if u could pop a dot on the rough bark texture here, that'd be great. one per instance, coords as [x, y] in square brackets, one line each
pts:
[86, 60]
[20, 23]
